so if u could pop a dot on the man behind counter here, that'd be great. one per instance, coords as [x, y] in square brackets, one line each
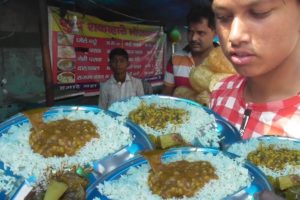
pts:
[201, 32]
[120, 85]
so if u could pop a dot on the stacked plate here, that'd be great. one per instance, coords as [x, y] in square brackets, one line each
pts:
[121, 141]
[130, 179]
[278, 158]
[203, 128]
[123, 172]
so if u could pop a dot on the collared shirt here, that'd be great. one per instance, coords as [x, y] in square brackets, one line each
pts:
[271, 118]
[178, 71]
[111, 90]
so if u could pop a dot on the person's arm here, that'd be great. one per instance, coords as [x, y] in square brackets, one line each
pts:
[169, 82]
[103, 97]
[147, 87]
[167, 90]
[139, 88]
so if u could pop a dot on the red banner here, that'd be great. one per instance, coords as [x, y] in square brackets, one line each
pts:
[80, 60]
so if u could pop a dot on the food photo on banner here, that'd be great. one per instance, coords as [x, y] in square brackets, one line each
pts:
[80, 44]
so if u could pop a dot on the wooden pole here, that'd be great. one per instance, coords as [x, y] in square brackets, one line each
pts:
[49, 87]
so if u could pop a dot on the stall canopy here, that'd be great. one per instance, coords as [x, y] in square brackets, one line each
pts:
[158, 12]
[89, 25]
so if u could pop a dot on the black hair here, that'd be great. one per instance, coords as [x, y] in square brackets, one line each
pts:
[203, 10]
[118, 52]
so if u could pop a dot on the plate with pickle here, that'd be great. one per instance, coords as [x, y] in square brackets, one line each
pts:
[173, 122]
[181, 173]
[278, 158]
[64, 146]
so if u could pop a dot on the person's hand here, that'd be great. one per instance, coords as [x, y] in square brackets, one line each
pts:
[267, 195]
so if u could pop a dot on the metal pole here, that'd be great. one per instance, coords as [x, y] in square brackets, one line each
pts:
[46, 53]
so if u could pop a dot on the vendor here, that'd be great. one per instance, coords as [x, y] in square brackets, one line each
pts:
[193, 72]
[201, 31]
[120, 85]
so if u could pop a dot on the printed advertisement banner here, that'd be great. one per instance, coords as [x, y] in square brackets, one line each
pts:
[80, 44]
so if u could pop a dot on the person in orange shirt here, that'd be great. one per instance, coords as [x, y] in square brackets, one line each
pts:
[200, 35]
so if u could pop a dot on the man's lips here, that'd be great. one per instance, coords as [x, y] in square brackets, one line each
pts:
[241, 58]
[195, 45]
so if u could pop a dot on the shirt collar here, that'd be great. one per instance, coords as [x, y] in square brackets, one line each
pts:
[127, 78]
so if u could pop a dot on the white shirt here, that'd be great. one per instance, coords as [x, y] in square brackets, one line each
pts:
[111, 90]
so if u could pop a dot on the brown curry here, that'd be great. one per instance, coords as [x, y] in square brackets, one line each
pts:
[178, 179]
[60, 137]
[76, 187]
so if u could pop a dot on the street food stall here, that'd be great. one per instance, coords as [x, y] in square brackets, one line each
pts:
[148, 147]
[130, 146]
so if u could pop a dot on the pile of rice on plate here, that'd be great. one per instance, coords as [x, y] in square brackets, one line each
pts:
[200, 126]
[244, 148]
[133, 184]
[16, 152]
[6, 182]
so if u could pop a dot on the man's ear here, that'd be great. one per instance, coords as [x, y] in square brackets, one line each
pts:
[128, 63]
[109, 65]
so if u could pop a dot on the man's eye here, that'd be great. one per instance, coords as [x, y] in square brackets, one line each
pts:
[223, 18]
[201, 33]
[260, 14]
[190, 31]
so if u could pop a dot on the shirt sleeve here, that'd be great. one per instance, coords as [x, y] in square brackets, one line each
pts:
[139, 88]
[212, 100]
[103, 97]
[169, 74]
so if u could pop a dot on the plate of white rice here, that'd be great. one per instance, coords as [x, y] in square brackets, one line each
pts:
[202, 127]
[130, 179]
[119, 139]
[245, 147]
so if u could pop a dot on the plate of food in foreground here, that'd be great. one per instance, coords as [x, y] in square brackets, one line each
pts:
[171, 121]
[181, 173]
[48, 142]
[278, 158]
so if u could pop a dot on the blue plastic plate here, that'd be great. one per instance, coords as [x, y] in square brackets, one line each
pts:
[278, 139]
[103, 166]
[227, 131]
[259, 181]
[269, 139]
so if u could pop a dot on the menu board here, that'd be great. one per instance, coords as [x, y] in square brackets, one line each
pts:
[80, 58]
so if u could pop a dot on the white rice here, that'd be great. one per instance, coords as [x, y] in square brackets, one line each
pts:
[16, 153]
[6, 182]
[133, 185]
[199, 128]
[243, 149]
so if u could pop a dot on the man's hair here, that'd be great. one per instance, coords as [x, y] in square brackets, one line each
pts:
[118, 52]
[203, 10]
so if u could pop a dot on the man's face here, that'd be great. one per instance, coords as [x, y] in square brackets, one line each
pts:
[200, 36]
[258, 36]
[119, 64]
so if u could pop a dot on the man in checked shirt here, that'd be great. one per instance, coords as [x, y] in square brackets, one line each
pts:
[262, 40]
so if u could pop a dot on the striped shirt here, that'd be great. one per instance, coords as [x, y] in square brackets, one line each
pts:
[111, 90]
[178, 70]
[272, 118]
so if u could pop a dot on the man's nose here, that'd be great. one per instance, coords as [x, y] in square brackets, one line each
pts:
[194, 36]
[239, 32]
